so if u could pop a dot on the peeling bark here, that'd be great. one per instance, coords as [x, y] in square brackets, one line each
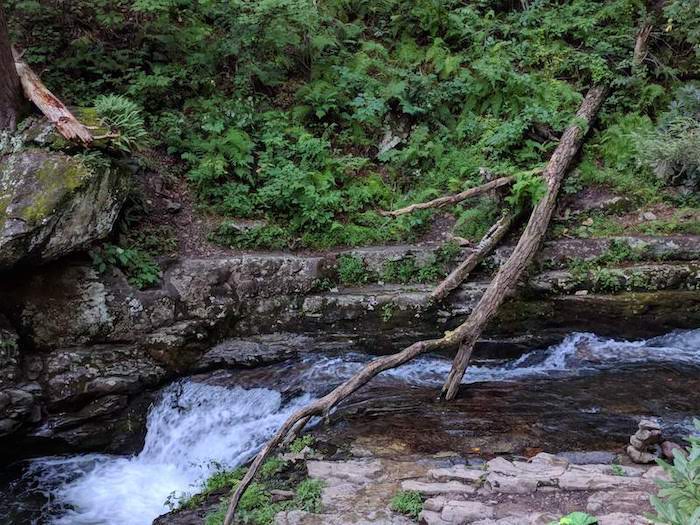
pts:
[54, 110]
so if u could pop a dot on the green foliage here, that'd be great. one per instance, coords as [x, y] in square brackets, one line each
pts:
[300, 443]
[271, 467]
[276, 108]
[352, 270]
[308, 495]
[673, 149]
[576, 518]
[231, 235]
[474, 222]
[408, 502]
[138, 266]
[678, 501]
[617, 470]
[124, 119]
[527, 190]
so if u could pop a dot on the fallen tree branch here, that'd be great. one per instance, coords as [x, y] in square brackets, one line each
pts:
[54, 110]
[441, 202]
[539, 220]
[485, 246]
[528, 244]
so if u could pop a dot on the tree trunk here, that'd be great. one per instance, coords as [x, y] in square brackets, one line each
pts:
[511, 271]
[641, 43]
[11, 100]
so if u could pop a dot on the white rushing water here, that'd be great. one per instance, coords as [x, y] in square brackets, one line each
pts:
[196, 428]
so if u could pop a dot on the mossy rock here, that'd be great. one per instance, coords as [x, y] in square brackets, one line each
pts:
[52, 204]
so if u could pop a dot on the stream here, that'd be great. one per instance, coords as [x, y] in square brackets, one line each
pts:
[586, 393]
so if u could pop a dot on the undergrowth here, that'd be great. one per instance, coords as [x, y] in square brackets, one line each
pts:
[312, 116]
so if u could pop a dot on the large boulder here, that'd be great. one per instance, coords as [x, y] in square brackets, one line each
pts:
[53, 203]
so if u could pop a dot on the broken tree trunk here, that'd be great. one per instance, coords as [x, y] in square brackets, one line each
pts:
[11, 100]
[485, 246]
[441, 202]
[54, 110]
[641, 43]
[511, 271]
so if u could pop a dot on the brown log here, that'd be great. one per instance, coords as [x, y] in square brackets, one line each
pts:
[528, 244]
[485, 246]
[441, 202]
[641, 43]
[54, 110]
[11, 99]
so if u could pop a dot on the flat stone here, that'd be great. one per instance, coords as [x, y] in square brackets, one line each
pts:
[435, 504]
[450, 487]
[649, 424]
[430, 517]
[459, 473]
[582, 480]
[459, 512]
[512, 484]
[354, 471]
[619, 518]
[621, 501]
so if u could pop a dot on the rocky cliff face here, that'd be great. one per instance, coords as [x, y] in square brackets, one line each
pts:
[81, 350]
[52, 203]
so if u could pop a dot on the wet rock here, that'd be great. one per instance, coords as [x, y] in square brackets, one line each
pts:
[669, 448]
[622, 501]
[433, 489]
[84, 373]
[582, 458]
[246, 353]
[52, 204]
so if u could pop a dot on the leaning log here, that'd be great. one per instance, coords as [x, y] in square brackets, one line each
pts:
[510, 272]
[448, 200]
[54, 110]
[483, 249]
[569, 145]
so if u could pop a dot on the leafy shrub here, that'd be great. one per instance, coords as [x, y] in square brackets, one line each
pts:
[271, 467]
[300, 443]
[138, 266]
[308, 495]
[678, 501]
[408, 502]
[352, 270]
[124, 118]
[576, 518]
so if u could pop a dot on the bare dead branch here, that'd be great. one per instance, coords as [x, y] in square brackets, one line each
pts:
[441, 202]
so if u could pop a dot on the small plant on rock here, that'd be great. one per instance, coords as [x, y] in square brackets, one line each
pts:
[301, 443]
[408, 502]
[576, 518]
